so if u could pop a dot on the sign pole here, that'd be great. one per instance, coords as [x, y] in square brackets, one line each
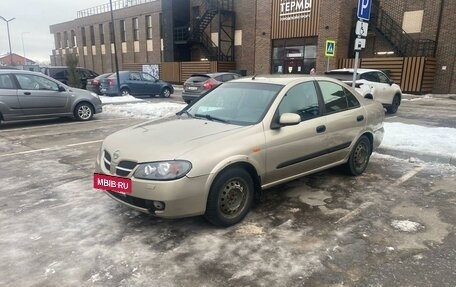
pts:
[355, 69]
[327, 65]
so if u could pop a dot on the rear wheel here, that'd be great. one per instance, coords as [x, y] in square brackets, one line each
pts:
[83, 112]
[392, 109]
[230, 197]
[359, 157]
[165, 93]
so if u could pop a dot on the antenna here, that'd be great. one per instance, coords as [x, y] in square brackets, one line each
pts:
[253, 78]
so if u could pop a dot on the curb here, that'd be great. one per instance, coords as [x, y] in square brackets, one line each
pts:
[442, 159]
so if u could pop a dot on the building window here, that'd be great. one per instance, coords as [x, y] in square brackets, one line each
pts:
[294, 56]
[123, 32]
[58, 40]
[413, 21]
[84, 39]
[111, 32]
[73, 39]
[101, 30]
[65, 39]
[135, 29]
[92, 35]
[148, 27]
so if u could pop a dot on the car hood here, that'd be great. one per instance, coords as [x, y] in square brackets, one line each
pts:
[166, 139]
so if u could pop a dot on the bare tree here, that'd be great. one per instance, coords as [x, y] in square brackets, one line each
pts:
[73, 75]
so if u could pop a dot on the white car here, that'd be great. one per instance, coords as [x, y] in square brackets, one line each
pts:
[372, 84]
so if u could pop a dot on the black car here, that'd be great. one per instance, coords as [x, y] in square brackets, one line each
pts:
[199, 84]
[60, 73]
[95, 83]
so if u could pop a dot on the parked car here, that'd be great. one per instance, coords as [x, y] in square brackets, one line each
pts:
[199, 84]
[372, 84]
[93, 85]
[60, 73]
[246, 135]
[30, 95]
[136, 84]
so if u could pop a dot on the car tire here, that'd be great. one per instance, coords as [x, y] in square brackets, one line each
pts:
[83, 112]
[165, 93]
[124, 92]
[392, 109]
[230, 197]
[359, 157]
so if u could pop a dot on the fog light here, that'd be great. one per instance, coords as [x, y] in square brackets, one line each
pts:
[159, 205]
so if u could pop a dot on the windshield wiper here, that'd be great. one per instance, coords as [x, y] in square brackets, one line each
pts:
[184, 112]
[211, 118]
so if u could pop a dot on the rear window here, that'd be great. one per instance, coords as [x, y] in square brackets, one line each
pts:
[341, 76]
[198, 79]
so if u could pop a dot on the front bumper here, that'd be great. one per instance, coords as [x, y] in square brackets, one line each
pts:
[183, 197]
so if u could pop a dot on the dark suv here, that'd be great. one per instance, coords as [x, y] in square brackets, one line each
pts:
[199, 84]
[60, 73]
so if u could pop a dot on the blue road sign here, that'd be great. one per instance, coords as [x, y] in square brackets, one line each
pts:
[364, 9]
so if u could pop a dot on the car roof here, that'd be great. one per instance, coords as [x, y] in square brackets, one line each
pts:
[349, 70]
[212, 75]
[281, 79]
[13, 71]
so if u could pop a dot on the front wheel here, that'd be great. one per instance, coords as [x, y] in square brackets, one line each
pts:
[83, 112]
[359, 157]
[230, 197]
[165, 93]
[392, 109]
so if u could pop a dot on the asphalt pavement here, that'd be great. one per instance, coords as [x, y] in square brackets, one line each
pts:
[392, 226]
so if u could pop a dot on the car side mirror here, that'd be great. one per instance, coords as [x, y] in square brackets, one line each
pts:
[289, 119]
[62, 88]
[391, 82]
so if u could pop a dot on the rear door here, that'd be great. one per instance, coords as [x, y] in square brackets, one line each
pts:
[344, 119]
[41, 96]
[9, 102]
[135, 84]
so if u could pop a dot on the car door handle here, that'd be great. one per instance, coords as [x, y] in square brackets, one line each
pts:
[27, 93]
[321, 129]
[360, 118]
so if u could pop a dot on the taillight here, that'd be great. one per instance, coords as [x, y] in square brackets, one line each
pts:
[95, 82]
[210, 84]
[111, 82]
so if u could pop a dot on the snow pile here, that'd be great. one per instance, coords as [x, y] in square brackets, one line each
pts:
[144, 110]
[406, 225]
[414, 138]
[121, 99]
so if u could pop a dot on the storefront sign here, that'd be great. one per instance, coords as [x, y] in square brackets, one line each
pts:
[295, 9]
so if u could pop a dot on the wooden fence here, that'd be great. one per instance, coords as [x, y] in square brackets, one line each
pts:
[412, 74]
[178, 72]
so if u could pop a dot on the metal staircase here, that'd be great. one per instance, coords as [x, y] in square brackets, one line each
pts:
[196, 32]
[401, 42]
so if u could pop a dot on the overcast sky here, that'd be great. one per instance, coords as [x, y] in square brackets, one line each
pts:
[33, 18]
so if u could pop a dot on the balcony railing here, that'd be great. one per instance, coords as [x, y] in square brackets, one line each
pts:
[116, 5]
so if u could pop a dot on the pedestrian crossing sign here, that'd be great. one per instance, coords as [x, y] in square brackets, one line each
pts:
[330, 50]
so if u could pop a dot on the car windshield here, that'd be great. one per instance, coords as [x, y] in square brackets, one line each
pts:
[236, 103]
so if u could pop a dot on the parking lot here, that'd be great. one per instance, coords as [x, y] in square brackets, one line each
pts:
[392, 226]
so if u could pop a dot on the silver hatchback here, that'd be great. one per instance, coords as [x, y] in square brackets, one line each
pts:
[31, 95]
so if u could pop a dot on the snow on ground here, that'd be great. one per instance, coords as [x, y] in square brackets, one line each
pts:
[406, 225]
[144, 110]
[122, 99]
[414, 138]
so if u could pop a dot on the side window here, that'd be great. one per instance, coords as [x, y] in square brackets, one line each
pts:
[33, 82]
[148, 77]
[371, 77]
[351, 99]
[301, 99]
[382, 78]
[5, 82]
[226, 78]
[135, 77]
[334, 97]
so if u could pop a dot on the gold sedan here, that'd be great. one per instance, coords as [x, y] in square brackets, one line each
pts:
[216, 155]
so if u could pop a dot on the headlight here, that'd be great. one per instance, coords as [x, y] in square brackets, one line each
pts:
[163, 170]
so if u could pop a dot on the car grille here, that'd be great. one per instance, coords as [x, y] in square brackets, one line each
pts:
[135, 201]
[124, 167]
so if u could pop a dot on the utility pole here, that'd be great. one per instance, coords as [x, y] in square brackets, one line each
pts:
[9, 39]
